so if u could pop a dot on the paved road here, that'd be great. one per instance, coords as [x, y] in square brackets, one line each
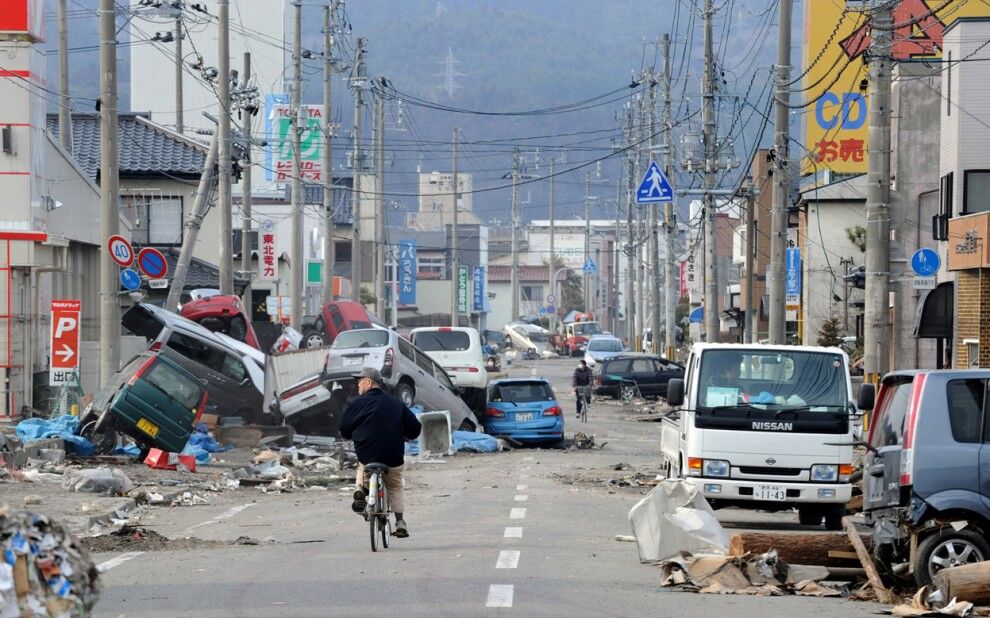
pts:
[529, 532]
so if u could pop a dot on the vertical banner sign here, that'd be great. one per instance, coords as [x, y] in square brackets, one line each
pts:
[792, 287]
[478, 304]
[835, 44]
[462, 289]
[268, 262]
[407, 272]
[64, 342]
[279, 157]
[682, 287]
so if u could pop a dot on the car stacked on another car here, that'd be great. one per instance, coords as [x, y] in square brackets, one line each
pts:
[524, 409]
[619, 376]
[458, 350]
[410, 374]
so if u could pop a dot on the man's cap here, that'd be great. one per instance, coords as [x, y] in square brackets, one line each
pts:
[370, 372]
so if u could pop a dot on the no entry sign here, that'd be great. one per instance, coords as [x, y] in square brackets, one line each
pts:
[152, 263]
[64, 341]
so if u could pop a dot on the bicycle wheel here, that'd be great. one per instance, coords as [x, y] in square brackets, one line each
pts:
[584, 409]
[384, 528]
[373, 523]
[383, 524]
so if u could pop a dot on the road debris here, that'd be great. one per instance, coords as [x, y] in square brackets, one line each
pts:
[584, 441]
[760, 575]
[675, 518]
[44, 571]
[100, 480]
[925, 602]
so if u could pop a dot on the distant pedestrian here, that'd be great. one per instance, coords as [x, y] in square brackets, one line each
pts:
[379, 424]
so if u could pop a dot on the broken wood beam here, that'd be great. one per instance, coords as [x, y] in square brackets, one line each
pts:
[792, 548]
[883, 595]
[969, 582]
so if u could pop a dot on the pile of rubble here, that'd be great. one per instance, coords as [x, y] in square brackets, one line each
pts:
[44, 571]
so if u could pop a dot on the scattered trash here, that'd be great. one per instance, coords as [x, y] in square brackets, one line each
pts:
[160, 460]
[760, 575]
[64, 427]
[100, 480]
[277, 471]
[188, 498]
[44, 571]
[675, 518]
[31, 499]
[925, 602]
[625, 538]
[584, 441]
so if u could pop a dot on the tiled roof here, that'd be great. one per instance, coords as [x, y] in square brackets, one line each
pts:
[313, 196]
[201, 274]
[526, 273]
[144, 150]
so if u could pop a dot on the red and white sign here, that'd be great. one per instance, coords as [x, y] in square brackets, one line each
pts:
[64, 342]
[23, 17]
[152, 263]
[120, 250]
[268, 261]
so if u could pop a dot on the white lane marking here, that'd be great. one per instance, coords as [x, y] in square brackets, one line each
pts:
[499, 595]
[522, 487]
[527, 459]
[532, 372]
[521, 498]
[222, 516]
[508, 559]
[513, 532]
[119, 560]
[517, 514]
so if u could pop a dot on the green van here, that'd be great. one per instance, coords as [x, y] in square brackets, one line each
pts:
[153, 400]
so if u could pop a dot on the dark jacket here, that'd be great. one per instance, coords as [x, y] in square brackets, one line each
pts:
[379, 425]
[581, 378]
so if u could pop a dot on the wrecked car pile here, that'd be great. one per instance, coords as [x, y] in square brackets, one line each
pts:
[44, 571]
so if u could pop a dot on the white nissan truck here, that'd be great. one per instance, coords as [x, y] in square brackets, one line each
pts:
[767, 427]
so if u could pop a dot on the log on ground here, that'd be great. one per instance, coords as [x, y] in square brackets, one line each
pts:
[792, 548]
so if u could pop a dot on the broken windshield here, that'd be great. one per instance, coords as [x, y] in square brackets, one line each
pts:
[805, 381]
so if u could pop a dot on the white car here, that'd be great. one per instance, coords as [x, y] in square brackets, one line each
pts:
[530, 340]
[458, 351]
[601, 347]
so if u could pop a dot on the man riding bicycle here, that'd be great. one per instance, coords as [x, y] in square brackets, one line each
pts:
[379, 424]
[581, 385]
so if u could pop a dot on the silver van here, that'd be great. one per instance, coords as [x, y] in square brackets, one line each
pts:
[410, 374]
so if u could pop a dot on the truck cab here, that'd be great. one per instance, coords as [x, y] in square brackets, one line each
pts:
[767, 427]
[574, 341]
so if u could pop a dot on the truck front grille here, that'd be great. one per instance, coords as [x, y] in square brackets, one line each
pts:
[767, 471]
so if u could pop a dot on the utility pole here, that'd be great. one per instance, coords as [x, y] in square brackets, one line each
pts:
[550, 259]
[656, 292]
[875, 340]
[641, 242]
[246, 197]
[617, 253]
[781, 181]
[454, 264]
[329, 30]
[179, 120]
[380, 204]
[295, 106]
[357, 82]
[514, 278]
[669, 220]
[587, 240]
[712, 306]
[193, 224]
[109, 193]
[749, 326]
[630, 248]
[223, 157]
[64, 110]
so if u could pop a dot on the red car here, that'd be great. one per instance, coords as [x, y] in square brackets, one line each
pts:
[223, 314]
[335, 318]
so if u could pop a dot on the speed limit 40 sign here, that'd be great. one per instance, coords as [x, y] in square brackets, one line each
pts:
[120, 250]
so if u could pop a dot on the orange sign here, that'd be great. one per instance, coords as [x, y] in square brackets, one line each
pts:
[65, 342]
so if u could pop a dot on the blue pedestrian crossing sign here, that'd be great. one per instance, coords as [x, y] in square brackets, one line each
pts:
[590, 266]
[655, 187]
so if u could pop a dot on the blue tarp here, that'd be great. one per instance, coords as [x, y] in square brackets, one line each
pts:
[64, 427]
[201, 444]
[471, 442]
[131, 450]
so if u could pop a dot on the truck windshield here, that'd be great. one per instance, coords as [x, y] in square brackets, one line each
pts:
[585, 330]
[809, 381]
[351, 339]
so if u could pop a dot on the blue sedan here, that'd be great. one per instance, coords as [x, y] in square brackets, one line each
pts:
[524, 409]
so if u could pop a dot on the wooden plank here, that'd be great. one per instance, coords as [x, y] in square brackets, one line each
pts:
[883, 595]
[792, 548]
[843, 555]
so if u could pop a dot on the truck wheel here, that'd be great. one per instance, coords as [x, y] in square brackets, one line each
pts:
[810, 515]
[313, 339]
[833, 517]
[405, 393]
[948, 548]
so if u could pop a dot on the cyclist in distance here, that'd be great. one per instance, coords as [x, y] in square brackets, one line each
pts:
[379, 424]
[581, 383]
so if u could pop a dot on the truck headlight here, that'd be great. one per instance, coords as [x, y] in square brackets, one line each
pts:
[716, 467]
[825, 473]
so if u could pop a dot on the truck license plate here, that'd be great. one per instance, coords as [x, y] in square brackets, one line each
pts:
[353, 360]
[524, 416]
[770, 492]
[147, 427]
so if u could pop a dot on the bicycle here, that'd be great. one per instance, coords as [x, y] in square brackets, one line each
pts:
[583, 394]
[377, 510]
[628, 389]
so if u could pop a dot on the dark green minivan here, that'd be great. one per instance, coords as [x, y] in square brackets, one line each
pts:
[152, 399]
